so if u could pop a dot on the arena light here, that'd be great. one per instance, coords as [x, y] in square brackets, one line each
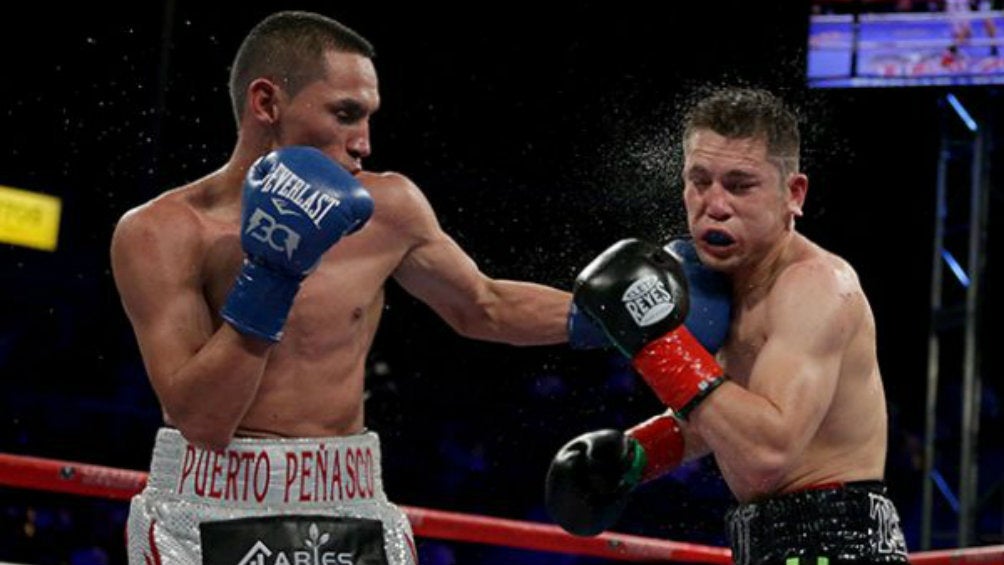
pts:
[953, 500]
[29, 219]
[957, 269]
[961, 111]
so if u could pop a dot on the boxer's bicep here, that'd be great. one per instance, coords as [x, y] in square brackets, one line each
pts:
[434, 268]
[439, 273]
[799, 387]
[477, 306]
[812, 319]
[155, 273]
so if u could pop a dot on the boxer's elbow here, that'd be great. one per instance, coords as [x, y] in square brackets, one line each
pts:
[208, 439]
[204, 432]
[765, 467]
[764, 471]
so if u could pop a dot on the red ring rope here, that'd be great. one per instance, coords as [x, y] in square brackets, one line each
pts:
[120, 484]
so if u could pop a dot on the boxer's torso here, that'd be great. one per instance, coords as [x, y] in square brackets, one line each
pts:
[313, 380]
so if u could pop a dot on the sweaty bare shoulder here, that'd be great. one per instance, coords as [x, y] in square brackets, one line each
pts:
[818, 295]
[153, 244]
[165, 219]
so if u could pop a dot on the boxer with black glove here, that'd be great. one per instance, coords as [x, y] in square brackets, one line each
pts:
[638, 293]
[591, 477]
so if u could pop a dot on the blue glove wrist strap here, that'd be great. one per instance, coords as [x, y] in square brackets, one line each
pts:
[260, 300]
[583, 332]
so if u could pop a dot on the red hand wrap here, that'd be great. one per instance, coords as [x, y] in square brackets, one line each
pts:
[678, 368]
[662, 440]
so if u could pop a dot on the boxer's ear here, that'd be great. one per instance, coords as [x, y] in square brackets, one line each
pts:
[263, 100]
[798, 187]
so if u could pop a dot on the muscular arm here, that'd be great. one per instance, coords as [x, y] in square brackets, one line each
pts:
[759, 432]
[438, 272]
[204, 379]
[694, 447]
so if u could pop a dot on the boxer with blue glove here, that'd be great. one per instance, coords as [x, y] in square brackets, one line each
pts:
[256, 328]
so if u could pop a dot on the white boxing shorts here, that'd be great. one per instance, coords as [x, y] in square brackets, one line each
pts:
[302, 501]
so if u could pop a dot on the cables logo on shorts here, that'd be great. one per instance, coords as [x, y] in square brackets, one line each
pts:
[261, 554]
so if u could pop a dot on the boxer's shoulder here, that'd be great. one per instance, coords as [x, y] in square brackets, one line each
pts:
[817, 291]
[397, 200]
[179, 219]
[375, 180]
[390, 188]
[820, 271]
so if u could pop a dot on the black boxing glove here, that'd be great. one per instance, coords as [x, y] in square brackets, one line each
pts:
[590, 479]
[638, 293]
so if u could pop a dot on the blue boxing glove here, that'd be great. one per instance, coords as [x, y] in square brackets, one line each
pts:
[297, 203]
[710, 296]
[710, 305]
[583, 331]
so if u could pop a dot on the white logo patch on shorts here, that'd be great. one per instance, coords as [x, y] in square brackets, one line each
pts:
[648, 301]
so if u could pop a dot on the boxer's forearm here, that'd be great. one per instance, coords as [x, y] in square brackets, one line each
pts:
[206, 397]
[520, 313]
[696, 446]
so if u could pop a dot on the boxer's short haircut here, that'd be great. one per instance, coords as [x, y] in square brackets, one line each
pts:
[741, 113]
[288, 48]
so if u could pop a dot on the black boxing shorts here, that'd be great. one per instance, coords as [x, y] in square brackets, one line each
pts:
[828, 525]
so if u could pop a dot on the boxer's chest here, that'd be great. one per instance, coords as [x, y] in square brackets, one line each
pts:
[342, 292]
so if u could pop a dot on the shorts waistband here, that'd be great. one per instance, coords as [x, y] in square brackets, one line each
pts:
[870, 485]
[845, 522]
[274, 473]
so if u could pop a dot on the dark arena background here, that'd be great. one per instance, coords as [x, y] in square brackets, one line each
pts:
[540, 133]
